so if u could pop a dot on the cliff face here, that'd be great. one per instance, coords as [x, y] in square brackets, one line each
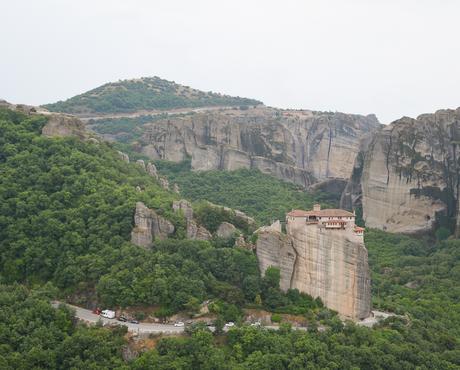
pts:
[297, 146]
[329, 264]
[148, 226]
[409, 175]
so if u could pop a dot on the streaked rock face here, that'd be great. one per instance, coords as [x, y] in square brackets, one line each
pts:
[296, 146]
[409, 174]
[275, 249]
[329, 264]
[148, 226]
[332, 265]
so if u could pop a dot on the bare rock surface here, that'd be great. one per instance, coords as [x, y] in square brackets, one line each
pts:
[123, 156]
[148, 226]
[62, 125]
[329, 264]
[152, 170]
[297, 146]
[226, 230]
[408, 175]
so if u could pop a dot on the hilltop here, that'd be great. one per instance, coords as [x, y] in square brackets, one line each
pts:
[144, 94]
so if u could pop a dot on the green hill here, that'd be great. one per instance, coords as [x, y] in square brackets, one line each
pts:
[148, 93]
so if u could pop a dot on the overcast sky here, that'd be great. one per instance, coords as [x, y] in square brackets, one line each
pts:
[387, 57]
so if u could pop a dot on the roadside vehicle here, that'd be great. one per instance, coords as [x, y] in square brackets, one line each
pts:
[179, 324]
[108, 314]
[230, 324]
[133, 321]
[97, 311]
[257, 323]
[122, 318]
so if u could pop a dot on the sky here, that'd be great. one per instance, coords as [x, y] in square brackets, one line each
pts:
[392, 58]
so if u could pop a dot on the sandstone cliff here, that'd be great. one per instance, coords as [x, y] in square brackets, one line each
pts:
[329, 264]
[296, 146]
[148, 226]
[408, 176]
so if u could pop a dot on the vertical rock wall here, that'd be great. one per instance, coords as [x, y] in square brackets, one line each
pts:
[332, 265]
[329, 264]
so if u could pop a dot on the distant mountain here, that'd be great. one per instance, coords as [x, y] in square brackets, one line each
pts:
[147, 93]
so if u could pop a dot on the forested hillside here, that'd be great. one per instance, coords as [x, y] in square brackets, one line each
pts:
[66, 213]
[261, 196]
[149, 93]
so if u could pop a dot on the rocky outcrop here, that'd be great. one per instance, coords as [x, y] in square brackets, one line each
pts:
[152, 170]
[326, 263]
[226, 230]
[62, 125]
[148, 226]
[275, 249]
[407, 178]
[194, 231]
[239, 215]
[141, 164]
[164, 183]
[296, 146]
[123, 156]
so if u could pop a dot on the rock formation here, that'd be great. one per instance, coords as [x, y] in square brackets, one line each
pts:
[152, 170]
[148, 226]
[296, 146]
[123, 156]
[226, 230]
[141, 164]
[407, 177]
[194, 231]
[62, 125]
[164, 183]
[322, 254]
[275, 249]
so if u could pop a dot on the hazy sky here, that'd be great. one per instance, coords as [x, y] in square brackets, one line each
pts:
[387, 57]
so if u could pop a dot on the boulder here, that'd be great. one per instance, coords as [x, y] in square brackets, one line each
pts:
[226, 230]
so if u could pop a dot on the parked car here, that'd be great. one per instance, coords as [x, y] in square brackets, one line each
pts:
[122, 318]
[133, 321]
[179, 324]
[257, 323]
[97, 311]
[108, 314]
[230, 324]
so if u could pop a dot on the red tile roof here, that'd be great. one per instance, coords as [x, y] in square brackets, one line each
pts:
[331, 212]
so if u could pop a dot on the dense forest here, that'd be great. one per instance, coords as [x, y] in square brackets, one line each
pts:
[66, 213]
[144, 94]
[262, 196]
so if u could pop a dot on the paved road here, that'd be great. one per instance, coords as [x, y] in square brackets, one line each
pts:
[146, 328]
[142, 328]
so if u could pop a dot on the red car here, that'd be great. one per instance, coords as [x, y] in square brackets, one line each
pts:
[97, 311]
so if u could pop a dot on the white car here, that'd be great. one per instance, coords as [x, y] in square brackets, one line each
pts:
[229, 324]
[108, 314]
[179, 324]
[257, 323]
